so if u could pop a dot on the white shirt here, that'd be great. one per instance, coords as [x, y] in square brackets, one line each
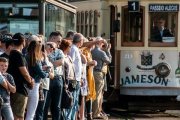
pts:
[76, 58]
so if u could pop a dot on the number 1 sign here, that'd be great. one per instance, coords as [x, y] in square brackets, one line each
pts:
[133, 6]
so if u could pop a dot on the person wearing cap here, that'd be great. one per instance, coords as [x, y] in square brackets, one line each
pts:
[101, 57]
[56, 84]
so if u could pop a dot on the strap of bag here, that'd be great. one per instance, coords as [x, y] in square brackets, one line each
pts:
[72, 67]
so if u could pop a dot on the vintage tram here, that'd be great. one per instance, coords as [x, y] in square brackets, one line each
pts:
[146, 45]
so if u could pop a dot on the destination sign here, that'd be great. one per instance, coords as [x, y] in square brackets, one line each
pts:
[163, 7]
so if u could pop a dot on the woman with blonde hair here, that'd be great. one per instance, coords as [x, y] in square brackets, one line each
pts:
[37, 71]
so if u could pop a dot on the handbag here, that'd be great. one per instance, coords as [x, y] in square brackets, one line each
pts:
[72, 85]
[67, 99]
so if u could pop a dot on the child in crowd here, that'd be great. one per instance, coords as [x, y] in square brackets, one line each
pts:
[7, 85]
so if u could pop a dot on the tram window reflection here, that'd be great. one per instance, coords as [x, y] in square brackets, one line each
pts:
[163, 29]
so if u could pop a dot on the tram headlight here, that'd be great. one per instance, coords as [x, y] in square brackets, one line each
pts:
[162, 70]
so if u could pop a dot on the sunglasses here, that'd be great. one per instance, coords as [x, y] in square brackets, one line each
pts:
[51, 46]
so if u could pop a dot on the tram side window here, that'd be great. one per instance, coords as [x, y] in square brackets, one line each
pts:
[163, 29]
[132, 27]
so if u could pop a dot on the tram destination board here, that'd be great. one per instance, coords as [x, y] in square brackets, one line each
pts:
[163, 7]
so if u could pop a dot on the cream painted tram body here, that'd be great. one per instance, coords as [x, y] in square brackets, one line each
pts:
[144, 68]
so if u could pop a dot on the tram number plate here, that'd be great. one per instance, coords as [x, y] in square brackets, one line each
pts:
[133, 6]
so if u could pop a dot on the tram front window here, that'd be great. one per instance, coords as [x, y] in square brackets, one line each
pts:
[163, 29]
[132, 27]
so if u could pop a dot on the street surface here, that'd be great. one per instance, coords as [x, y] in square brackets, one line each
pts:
[119, 114]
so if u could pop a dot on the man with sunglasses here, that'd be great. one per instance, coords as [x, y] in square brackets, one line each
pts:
[56, 85]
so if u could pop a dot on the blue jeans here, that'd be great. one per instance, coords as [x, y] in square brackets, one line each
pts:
[6, 112]
[40, 107]
[54, 98]
[70, 114]
[75, 107]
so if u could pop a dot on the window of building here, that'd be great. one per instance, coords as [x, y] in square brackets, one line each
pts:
[95, 22]
[78, 21]
[91, 24]
[163, 29]
[82, 22]
[132, 27]
[86, 23]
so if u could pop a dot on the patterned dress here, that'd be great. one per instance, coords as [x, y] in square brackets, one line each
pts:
[90, 77]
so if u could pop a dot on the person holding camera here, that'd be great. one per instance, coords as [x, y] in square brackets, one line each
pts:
[56, 84]
[101, 57]
[7, 85]
[18, 69]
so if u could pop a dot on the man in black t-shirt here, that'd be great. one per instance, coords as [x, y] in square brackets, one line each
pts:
[17, 68]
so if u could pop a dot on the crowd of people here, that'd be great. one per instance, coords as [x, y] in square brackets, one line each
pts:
[35, 72]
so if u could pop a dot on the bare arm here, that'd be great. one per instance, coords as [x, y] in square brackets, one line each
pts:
[51, 73]
[3, 81]
[26, 75]
[11, 88]
[58, 62]
[5, 85]
[83, 58]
